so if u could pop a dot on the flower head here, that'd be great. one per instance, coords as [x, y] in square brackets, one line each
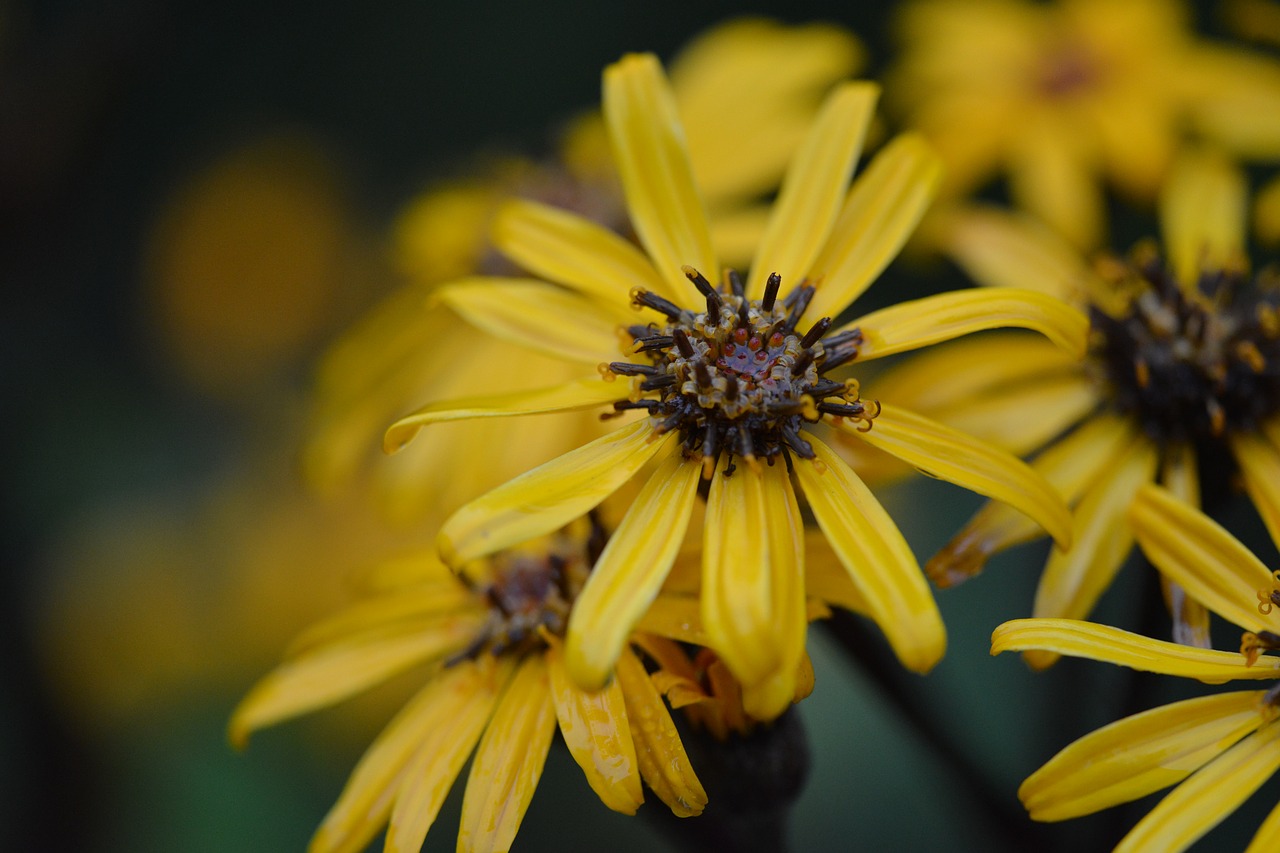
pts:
[1217, 749]
[496, 685]
[732, 381]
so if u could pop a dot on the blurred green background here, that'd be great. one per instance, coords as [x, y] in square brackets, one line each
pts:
[257, 152]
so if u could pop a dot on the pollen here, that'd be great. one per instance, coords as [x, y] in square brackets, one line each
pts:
[740, 377]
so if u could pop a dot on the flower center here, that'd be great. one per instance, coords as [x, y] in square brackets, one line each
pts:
[1189, 365]
[1067, 69]
[739, 377]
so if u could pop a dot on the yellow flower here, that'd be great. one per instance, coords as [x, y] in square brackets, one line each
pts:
[1059, 95]
[732, 81]
[491, 640]
[1183, 355]
[726, 376]
[1217, 749]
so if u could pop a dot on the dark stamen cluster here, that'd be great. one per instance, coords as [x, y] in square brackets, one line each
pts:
[739, 376]
[1190, 365]
[532, 591]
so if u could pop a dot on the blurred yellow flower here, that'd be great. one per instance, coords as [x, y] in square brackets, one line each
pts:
[734, 382]
[746, 79]
[491, 639]
[1057, 96]
[1217, 749]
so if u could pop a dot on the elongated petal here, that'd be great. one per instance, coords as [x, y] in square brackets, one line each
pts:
[1200, 803]
[883, 208]
[463, 700]
[1259, 463]
[1021, 418]
[1069, 466]
[957, 458]
[1112, 645]
[547, 318]
[663, 761]
[1198, 554]
[1139, 755]
[1191, 618]
[1000, 249]
[814, 187]
[569, 249]
[333, 673]
[653, 162]
[580, 394]
[921, 322]
[415, 604]
[549, 496]
[627, 576]
[509, 761]
[877, 558]
[1052, 177]
[1202, 216]
[598, 734]
[365, 803]
[675, 616]
[825, 577]
[1074, 579]
[1267, 838]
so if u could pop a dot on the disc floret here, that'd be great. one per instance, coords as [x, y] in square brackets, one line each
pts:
[739, 376]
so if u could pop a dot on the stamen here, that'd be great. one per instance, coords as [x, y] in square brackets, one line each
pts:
[626, 368]
[714, 301]
[653, 342]
[682, 343]
[816, 332]
[647, 299]
[736, 286]
[800, 299]
[771, 291]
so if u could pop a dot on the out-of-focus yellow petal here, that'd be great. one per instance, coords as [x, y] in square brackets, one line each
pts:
[535, 314]
[876, 556]
[1259, 464]
[1052, 176]
[1266, 214]
[1267, 838]
[629, 572]
[1202, 216]
[754, 79]
[596, 730]
[365, 803]
[415, 604]
[1069, 465]
[737, 233]
[549, 496]
[1003, 249]
[1074, 579]
[676, 616]
[653, 162]
[825, 577]
[1199, 555]
[955, 457]
[920, 322]
[814, 187]
[509, 760]
[1139, 755]
[463, 700]
[883, 208]
[335, 672]
[663, 761]
[1021, 418]
[1112, 645]
[579, 394]
[569, 249]
[1138, 136]
[1200, 803]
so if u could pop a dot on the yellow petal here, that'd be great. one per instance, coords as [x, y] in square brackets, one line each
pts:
[1053, 177]
[1069, 466]
[825, 577]
[883, 208]
[1001, 249]
[955, 457]
[814, 187]
[1267, 838]
[1111, 645]
[1200, 803]
[676, 616]
[1266, 214]
[463, 699]
[580, 394]
[1198, 554]
[365, 803]
[333, 673]
[545, 317]
[877, 558]
[1139, 755]
[663, 761]
[653, 162]
[921, 322]
[1190, 617]
[598, 734]
[629, 572]
[509, 760]
[1202, 216]
[416, 604]
[1259, 464]
[1073, 580]
[1022, 418]
[549, 496]
[569, 249]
